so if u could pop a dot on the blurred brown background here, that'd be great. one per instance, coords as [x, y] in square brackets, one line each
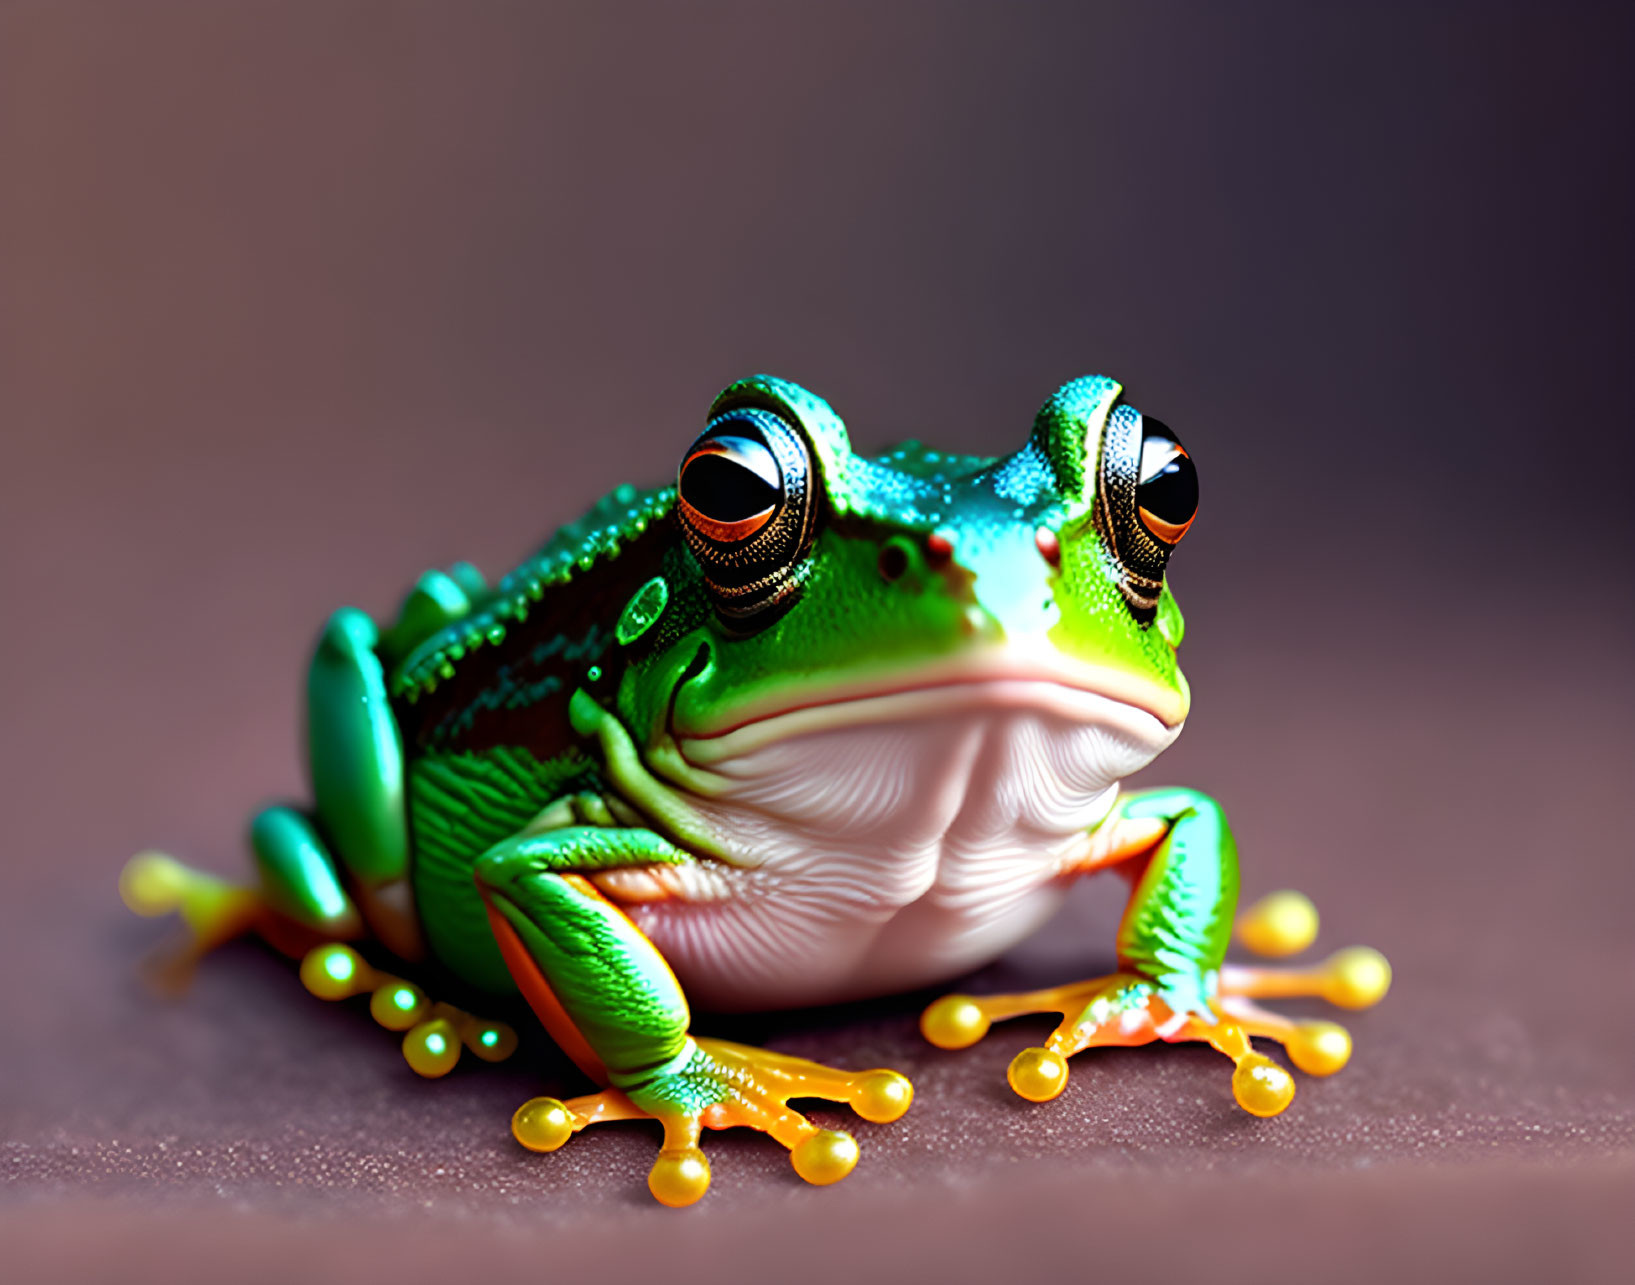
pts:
[298, 299]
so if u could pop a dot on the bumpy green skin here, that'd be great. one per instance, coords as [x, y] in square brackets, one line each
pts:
[586, 947]
[1179, 921]
[481, 723]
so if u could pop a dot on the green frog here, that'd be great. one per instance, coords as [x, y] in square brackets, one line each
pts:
[804, 726]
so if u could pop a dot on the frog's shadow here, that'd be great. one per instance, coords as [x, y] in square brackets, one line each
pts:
[889, 1012]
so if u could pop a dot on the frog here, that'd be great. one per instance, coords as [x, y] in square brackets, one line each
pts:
[803, 726]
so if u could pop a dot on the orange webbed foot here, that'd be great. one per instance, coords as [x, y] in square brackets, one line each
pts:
[716, 1084]
[1127, 1009]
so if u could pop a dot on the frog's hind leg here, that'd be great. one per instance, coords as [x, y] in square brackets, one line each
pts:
[302, 910]
[355, 754]
[297, 903]
[355, 757]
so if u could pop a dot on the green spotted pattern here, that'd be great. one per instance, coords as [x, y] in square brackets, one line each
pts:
[575, 549]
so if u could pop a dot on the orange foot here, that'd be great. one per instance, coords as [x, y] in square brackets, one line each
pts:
[1125, 1009]
[714, 1084]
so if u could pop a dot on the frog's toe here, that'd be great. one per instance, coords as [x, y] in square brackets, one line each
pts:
[959, 1021]
[542, 1124]
[152, 883]
[432, 1049]
[1124, 1009]
[1037, 1074]
[679, 1177]
[1279, 924]
[820, 1156]
[435, 1033]
[825, 1157]
[213, 910]
[881, 1096]
[721, 1085]
[1261, 1086]
[762, 1085]
[1317, 1048]
[955, 1022]
[1087, 1009]
[1357, 977]
[680, 1174]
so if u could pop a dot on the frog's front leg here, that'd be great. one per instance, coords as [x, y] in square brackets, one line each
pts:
[611, 1001]
[1171, 982]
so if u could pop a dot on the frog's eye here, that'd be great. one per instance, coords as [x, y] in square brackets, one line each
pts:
[745, 498]
[1146, 498]
[1166, 490]
[729, 486]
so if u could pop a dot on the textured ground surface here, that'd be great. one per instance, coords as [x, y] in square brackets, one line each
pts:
[1490, 1106]
[302, 299]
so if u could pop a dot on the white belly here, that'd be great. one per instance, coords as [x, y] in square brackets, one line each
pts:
[898, 850]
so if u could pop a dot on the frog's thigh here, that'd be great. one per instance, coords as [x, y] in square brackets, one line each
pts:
[595, 980]
[355, 755]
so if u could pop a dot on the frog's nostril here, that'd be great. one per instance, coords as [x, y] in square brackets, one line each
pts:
[893, 561]
[1050, 545]
[939, 547]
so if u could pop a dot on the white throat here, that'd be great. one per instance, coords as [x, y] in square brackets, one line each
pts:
[893, 841]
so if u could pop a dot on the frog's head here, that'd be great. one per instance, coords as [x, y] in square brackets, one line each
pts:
[820, 589]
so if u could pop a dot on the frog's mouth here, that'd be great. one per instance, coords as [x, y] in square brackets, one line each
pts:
[1005, 678]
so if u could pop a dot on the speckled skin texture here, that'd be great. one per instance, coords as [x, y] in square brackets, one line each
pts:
[262, 266]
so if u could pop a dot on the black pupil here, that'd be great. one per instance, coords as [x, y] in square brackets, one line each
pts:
[722, 489]
[1171, 494]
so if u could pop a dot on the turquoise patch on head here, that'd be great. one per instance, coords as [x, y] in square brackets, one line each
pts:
[641, 613]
